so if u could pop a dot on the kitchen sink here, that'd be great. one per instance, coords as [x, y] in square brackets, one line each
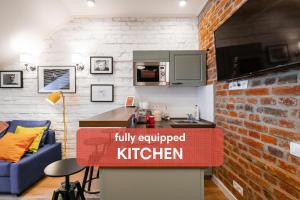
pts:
[185, 122]
[188, 122]
[182, 123]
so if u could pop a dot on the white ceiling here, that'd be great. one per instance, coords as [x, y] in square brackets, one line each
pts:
[134, 8]
[44, 16]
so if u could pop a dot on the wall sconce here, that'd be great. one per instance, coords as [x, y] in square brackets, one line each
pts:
[77, 61]
[27, 61]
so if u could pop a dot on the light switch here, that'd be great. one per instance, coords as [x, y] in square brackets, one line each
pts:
[295, 148]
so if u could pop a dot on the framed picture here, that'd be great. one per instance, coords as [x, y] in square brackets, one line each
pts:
[278, 53]
[102, 93]
[11, 79]
[101, 65]
[129, 101]
[57, 78]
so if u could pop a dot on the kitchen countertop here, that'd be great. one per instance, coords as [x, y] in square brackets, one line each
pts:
[119, 117]
[123, 117]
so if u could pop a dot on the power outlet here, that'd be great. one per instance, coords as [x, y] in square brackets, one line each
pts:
[238, 85]
[238, 187]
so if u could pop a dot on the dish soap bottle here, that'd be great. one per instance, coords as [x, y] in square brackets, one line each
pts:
[196, 112]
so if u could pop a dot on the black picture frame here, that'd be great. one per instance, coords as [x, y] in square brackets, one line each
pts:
[102, 85]
[20, 85]
[74, 83]
[110, 71]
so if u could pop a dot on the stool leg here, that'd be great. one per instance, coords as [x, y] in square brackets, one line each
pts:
[80, 192]
[68, 195]
[55, 195]
[71, 195]
[64, 195]
[86, 173]
[98, 173]
[90, 178]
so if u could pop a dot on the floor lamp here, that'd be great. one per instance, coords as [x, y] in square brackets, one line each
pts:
[53, 98]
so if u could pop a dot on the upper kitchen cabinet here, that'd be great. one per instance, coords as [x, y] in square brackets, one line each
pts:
[188, 68]
[151, 56]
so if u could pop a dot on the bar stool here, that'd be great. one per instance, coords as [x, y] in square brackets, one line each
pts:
[101, 145]
[88, 180]
[66, 168]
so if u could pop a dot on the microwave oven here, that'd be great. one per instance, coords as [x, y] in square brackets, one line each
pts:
[151, 73]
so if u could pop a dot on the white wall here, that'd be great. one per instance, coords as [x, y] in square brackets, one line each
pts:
[206, 102]
[23, 17]
[116, 37]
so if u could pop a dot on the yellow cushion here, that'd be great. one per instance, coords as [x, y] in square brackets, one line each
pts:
[34, 147]
[13, 146]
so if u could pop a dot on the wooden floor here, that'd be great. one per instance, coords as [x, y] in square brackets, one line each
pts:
[212, 192]
[43, 190]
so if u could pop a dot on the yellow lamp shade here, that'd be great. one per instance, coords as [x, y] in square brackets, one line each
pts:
[54, 97]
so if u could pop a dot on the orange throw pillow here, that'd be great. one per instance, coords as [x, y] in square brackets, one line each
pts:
[14, 146]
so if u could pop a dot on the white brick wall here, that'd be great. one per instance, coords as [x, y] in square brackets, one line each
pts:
[116, 37]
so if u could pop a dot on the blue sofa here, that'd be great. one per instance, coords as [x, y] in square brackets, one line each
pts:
[15, 178]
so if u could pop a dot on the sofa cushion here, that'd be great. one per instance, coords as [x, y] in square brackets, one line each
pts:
[4, 168]
[44, 138]
[14, 146]
[38, 130]
[50, 137]
[28, 124]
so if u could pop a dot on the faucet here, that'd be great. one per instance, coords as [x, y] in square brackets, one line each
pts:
[190, 117]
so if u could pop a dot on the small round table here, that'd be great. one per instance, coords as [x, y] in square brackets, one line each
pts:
[66, 168]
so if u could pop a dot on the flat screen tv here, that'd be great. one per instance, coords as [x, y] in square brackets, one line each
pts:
[262, 35]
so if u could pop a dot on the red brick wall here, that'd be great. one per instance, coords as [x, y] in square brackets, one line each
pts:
[258, 122]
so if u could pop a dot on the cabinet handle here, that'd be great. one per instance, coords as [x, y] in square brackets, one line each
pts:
[177, 83]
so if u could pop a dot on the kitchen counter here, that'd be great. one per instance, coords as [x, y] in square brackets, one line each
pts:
[119, 117]
[124, 117]
[147, 183]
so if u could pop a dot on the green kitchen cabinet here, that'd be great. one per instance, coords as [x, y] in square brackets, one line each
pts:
[188, 68]
[151, 56]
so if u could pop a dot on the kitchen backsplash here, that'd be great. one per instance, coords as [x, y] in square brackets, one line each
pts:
[180, 100]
